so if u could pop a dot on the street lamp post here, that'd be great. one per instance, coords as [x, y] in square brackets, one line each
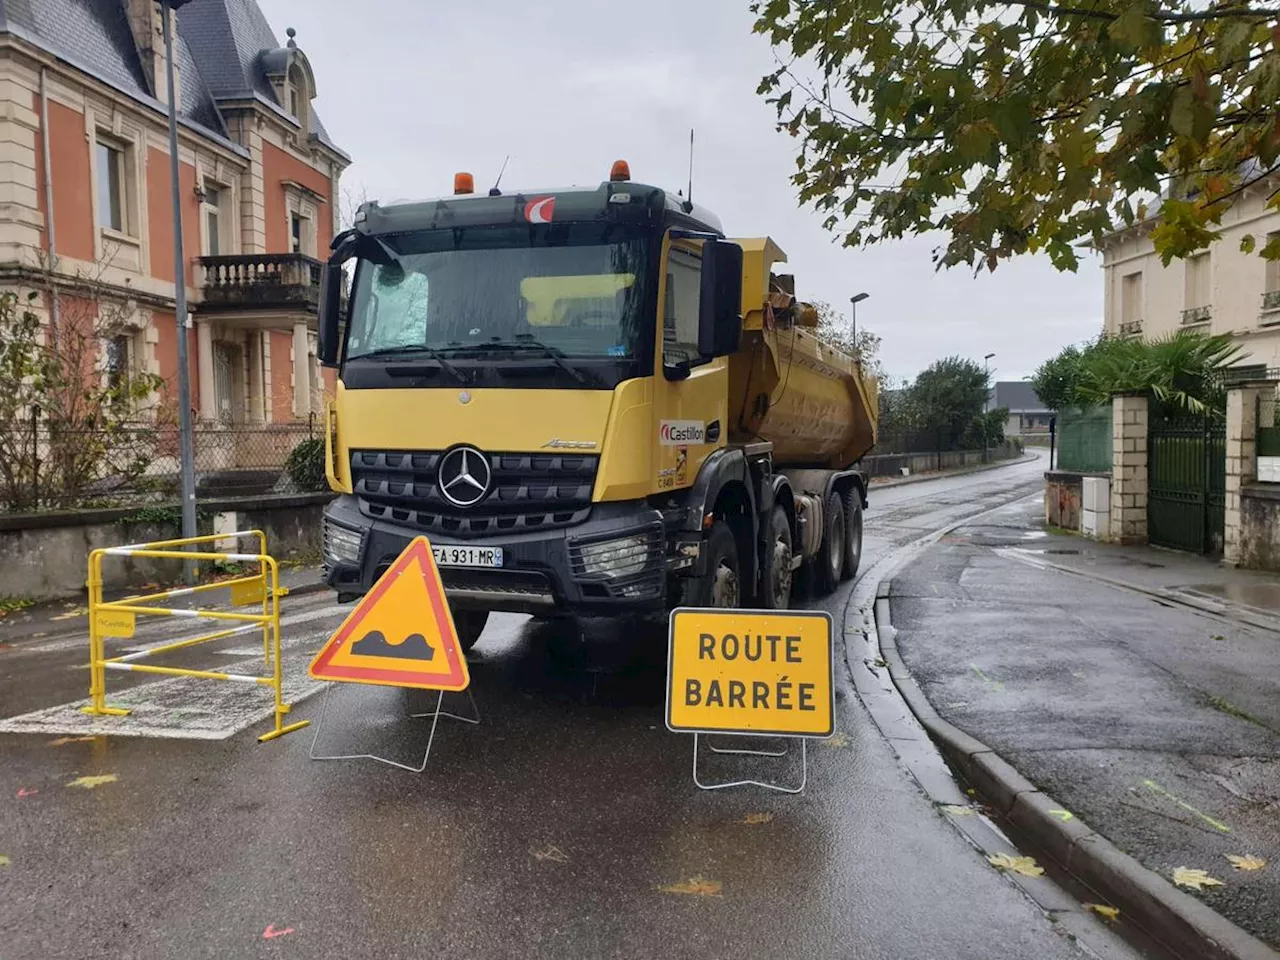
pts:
[853, 314]
[186, 452]
[986, 408]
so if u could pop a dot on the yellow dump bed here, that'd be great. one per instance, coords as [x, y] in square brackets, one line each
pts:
[787, 386]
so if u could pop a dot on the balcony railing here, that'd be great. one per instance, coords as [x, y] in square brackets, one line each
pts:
[1131, 328]
[1271, 300]
[254, 281]
[1193, 315]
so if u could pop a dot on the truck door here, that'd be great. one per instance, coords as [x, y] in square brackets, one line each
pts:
[691, 393]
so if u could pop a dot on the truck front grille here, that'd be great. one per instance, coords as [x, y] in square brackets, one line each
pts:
[527, 492]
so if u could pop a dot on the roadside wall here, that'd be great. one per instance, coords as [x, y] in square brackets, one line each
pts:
[891, 464]
[1259, 532]
[46, 555]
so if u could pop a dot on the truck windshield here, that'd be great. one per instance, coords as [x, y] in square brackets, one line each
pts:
[577, 290]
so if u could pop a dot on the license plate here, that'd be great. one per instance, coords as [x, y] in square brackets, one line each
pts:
[468, 556]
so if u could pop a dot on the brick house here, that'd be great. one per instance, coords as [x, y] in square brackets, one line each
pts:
[85, 201]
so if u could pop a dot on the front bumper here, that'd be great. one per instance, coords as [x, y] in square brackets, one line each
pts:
[541, 572]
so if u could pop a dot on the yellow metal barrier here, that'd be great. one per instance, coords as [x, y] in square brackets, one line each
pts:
[118, 618]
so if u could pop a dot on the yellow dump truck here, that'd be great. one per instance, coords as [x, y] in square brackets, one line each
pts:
[589, 401]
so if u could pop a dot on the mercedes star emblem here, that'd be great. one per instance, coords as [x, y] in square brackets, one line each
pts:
[464, 476]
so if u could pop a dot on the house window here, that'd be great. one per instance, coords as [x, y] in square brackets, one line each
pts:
[1131, 297]
[212, 214]
[111, 189]
[1197, 284]
[119, 361]
[295, 233]
[1273, 266]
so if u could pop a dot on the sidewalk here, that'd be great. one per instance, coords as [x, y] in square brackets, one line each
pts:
[1151, 721]
[55, 618]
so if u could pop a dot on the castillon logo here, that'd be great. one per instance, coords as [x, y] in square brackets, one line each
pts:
[540, 209]
[675, 433]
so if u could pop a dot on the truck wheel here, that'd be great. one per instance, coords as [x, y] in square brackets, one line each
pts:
[721, 584]
[828, 565]
[852, 532]
[469, 624]
[775, 563]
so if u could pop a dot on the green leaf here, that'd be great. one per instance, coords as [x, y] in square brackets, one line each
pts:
[1248, 243]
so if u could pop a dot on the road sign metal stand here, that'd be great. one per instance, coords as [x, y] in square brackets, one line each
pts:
[435, 716]
[804, 766]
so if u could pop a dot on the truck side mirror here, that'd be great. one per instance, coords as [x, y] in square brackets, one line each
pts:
[330, 310]
[720, 299]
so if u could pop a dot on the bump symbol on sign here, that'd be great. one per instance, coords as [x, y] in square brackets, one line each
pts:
[374, 644]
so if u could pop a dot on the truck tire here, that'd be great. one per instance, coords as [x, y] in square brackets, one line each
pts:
[721, 583]
[852, 532]
[469, 624]
[775, 562]
[828, 565]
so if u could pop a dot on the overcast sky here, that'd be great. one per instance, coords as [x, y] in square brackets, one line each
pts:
[416, 90]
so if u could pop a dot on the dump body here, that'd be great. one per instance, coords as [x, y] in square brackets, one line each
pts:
[786, 385]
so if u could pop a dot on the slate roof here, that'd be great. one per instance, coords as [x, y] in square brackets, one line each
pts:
[1018, 396]
[218, 47]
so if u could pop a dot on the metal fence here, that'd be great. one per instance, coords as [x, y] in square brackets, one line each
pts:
[46, 467]
[1084, 440]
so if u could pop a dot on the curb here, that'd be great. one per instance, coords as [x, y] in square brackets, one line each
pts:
[965, 471]
[1177, 921]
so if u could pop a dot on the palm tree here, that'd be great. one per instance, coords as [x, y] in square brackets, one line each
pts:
[1182, 371]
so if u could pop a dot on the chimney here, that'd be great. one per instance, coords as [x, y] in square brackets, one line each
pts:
[146, 23]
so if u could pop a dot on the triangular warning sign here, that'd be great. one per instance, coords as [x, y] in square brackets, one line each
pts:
[401, 634]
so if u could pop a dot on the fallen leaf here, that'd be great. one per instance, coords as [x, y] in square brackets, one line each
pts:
[1194, 879]
[88, 783]
[835, 740]
[754, 818]
[696, 887]
[1102, 910]
[1246, 863]
[1063, 815]
[552, 853]
[271, 932]
[1026, 866]
[24, 792]
[957, 810]
[72, 614]
[4, 861]
[62, 741]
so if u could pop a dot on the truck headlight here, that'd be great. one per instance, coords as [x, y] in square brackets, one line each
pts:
[341, 545]
[616, 558]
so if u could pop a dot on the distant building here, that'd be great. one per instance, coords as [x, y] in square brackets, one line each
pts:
[1219, 290]
[1028, 417]
[84, 91]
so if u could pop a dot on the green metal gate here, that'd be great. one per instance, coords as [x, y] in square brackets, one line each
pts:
[1186, 499]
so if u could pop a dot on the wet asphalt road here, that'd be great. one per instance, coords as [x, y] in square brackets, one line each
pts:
[565, 825]
[1158, 726]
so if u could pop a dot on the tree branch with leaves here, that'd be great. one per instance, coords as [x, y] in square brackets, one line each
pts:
[1018, 126]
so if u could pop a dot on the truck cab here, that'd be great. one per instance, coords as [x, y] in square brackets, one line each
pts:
[539, 383]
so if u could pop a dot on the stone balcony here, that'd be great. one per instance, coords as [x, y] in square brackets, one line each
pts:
[259, 281]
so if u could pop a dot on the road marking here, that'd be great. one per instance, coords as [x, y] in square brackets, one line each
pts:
[190, 709]
[1156, 788]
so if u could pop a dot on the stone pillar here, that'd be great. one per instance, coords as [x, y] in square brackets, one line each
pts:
[257, 395]
[1129, 469]
[204, 370]
[301, 371]
[1242, 460]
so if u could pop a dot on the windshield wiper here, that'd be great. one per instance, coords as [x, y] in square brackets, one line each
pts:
[526, 341]
[429, 352]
